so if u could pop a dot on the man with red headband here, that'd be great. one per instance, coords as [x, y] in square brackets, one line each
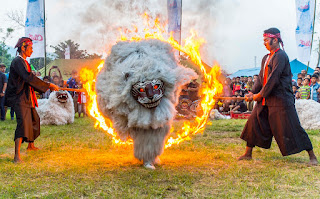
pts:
[21, 96]
[275, 114]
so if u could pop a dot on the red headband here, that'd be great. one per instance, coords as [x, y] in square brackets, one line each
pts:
[278, 36]
[24, 41]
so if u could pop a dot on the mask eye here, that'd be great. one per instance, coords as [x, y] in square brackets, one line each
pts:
[156, 86]
[141, 89]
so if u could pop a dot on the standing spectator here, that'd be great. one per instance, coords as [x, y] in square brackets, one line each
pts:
[295, 91]
[39, 75]
[304, 90]
[299, 76]
[73, 83]
[249, 88]
[3, 87]
[299, 82]
[241, 79]
[226, 88]
[46, 94]
[317, 69]
[82, 100]
[303, 74]
[314, 87]
[56, 80]
[318, 80]
[233, 81]
[255, 78]
[293, 81]
[236, 86]
[249, 84]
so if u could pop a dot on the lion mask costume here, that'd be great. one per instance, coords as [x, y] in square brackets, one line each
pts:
[138, 89]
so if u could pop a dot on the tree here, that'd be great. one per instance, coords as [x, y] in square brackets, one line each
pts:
[18, 17]
[5, 56]
[75, 52]
[93, 56]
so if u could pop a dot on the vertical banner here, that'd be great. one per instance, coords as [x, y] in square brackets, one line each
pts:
[67, 52]
[174, 18]
[35, 27]
[305, 10]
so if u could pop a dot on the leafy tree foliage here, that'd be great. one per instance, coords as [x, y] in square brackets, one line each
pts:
[75, 52]
[6, 58]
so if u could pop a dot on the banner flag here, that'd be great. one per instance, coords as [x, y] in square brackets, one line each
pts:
[174, 18]
[305, 10]
[67, 52]
[34, 27]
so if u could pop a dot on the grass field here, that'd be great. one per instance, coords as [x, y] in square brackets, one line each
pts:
[78, 161]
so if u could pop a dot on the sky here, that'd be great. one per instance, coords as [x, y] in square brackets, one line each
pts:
[232, 28]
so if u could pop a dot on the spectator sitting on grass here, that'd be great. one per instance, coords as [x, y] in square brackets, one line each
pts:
[239, 106]
[314, 87]
[304, 91]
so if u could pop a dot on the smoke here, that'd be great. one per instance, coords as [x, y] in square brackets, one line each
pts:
[97, 26]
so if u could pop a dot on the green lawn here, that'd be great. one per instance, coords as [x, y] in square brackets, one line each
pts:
[78, 161]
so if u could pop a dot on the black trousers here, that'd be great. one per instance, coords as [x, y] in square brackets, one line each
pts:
[282, 123]
[28, 123]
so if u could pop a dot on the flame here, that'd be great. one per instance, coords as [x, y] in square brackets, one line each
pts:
[210, 87]
[89, 78]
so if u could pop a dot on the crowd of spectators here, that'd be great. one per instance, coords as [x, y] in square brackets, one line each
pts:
[307, 86]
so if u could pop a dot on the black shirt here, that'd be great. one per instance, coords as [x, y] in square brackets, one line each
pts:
[3, 80]
[243, 106]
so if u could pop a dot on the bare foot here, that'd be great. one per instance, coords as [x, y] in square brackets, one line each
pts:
[17, 160]
[245, 157]
[313, 162]
[33, 148]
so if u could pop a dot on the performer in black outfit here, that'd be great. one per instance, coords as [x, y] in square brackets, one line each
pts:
[21, 96]
[275, 114]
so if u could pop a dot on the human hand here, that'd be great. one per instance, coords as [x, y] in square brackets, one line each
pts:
[248, 97]
[257, 97]
[1, 94]
[53, 87]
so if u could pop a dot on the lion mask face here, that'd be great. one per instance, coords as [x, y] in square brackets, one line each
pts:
[148, 93]
[62, 96]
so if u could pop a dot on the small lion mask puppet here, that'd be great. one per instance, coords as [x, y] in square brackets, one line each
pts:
[138, 89]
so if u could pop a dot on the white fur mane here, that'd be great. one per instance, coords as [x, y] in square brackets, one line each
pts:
[129, 63]
[51, 111]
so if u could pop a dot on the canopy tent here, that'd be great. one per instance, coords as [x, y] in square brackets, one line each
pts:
[246, 72]
[296, 67]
